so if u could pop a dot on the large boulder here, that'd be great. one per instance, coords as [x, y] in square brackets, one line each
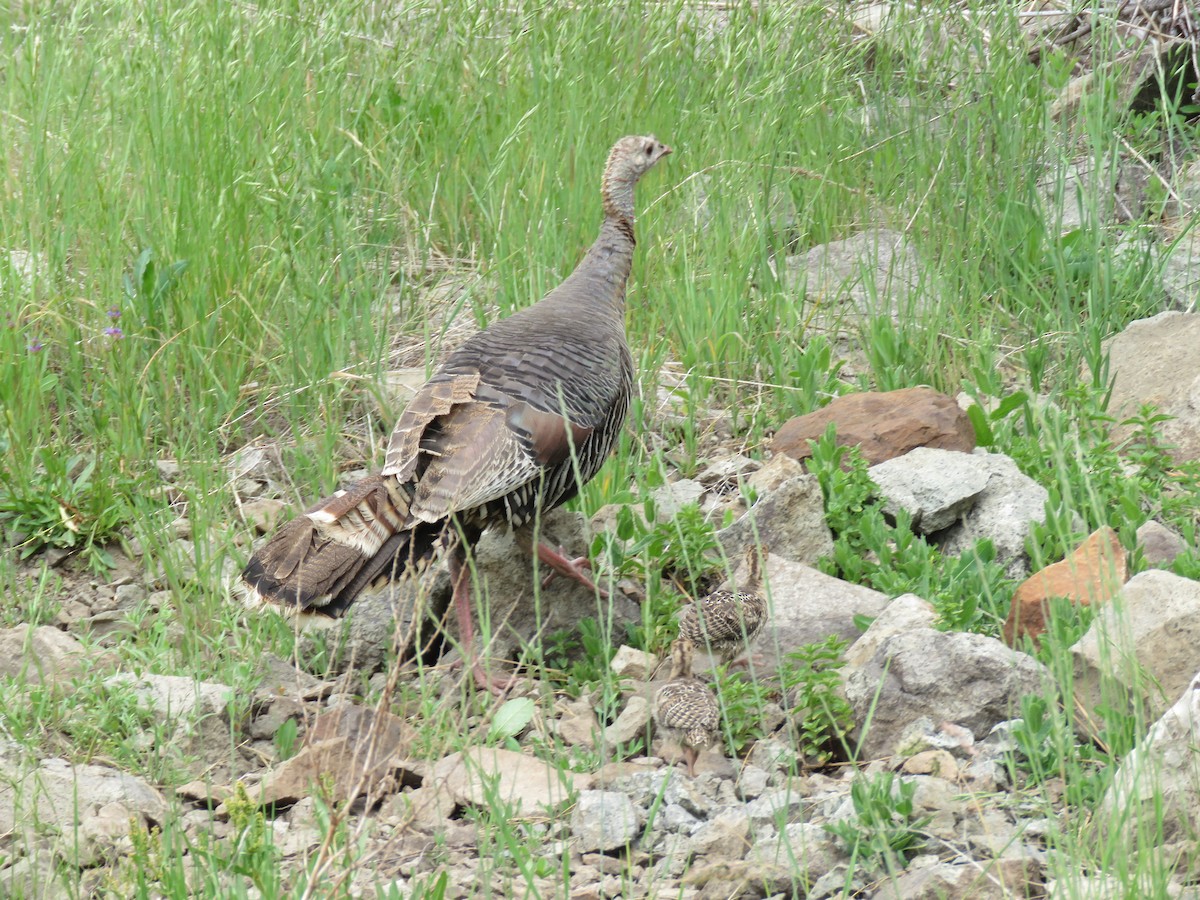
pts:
[1154, 361]
[1143, 647]
[875, 272]
[1004, 513]
[40, 654]
[968, 679]
[519, 608]
[1161, 777]
[935, 487]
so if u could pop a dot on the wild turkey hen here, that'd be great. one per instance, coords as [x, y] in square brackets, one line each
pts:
[685, 709]
[511, 425]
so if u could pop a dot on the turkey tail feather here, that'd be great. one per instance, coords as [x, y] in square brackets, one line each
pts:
[320, 560]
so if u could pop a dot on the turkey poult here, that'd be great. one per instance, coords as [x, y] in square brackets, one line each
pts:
[510, 426]
[685, 709]
[726, 622]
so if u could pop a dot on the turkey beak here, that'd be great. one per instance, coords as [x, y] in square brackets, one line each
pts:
[666, 151]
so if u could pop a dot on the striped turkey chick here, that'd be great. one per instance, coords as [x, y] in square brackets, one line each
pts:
[685, 709]
[726, 622]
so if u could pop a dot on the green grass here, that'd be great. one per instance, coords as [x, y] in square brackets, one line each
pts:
[210, 213]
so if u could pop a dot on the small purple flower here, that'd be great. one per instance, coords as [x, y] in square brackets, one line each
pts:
[114, 332]
[114, 312]
[35, 345]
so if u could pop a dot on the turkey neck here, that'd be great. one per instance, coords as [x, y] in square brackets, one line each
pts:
[610, 258]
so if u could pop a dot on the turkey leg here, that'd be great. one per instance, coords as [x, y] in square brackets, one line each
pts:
[460, 577]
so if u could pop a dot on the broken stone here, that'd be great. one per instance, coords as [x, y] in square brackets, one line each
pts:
[805, 606]
[349, 750]
[1005, 513]
[175, 696]
[1142, 648]
[487, 775]
[935, 487]
[1154, 361]
[1160, 545]
[790, 520]
[631, 723]
[629, 662]
[263, 514]
[40, 654]
[577, 724]
[876, 272]
[58, 793]
[603, 820]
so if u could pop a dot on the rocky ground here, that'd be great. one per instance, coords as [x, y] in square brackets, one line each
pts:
[569, 793]
[932, 710]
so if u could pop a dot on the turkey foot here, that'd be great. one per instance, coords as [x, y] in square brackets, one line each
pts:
[576, 568]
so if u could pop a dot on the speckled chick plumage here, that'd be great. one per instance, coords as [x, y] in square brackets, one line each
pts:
[685, 708]
[726, 622]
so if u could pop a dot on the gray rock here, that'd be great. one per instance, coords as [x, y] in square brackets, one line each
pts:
[725, 836]
[631, 723]
[1155, 361]
[1160, 777]
[58, 793]
[175, 696]
[577, 724]
[805, 847]
[751, 782]
[518, 608]
[34, 875]
[1004, 513]
[41, 654]
[1144, 645]
[481, 775]
[673, 496]
[772, 755]
[790, 520]
[1080, 193]
[906, 613]
[776, 808]
[805, 606]
[693, 794]
[1160, 545]
[970, 679]
[603, 820]
[382, 623]
[676, 820]
[936, 487]
[1178, 263]
[128, 596]
[725, 474]
[947, 881]
[876, 272]
[262, 514]
[629, 662]
[778, 470]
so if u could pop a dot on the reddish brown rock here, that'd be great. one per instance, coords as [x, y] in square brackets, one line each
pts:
[883, 425]
[1093, 573]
